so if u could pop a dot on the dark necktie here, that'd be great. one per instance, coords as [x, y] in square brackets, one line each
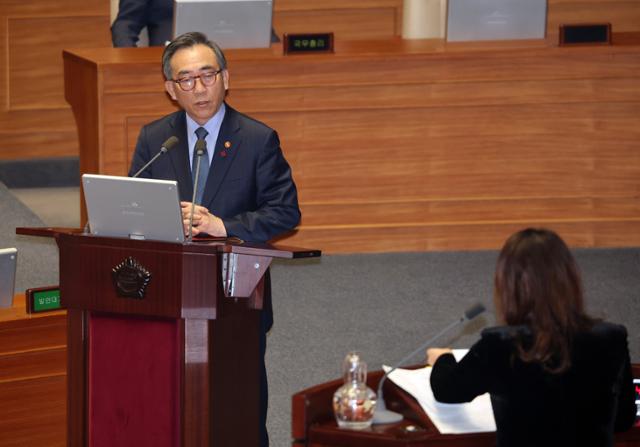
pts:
[201, 133]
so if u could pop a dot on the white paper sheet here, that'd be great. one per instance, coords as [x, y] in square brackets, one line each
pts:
[473, 417]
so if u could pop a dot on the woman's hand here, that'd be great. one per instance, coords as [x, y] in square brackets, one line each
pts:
[434, 353]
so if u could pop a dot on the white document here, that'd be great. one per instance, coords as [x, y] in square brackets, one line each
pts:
[473, 417]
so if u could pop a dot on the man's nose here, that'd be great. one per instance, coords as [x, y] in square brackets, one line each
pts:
[199, 85]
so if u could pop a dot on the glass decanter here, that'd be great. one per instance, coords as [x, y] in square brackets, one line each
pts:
[354, 402]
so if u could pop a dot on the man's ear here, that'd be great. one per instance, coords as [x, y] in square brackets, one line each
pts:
[225, 79]
[170, 87]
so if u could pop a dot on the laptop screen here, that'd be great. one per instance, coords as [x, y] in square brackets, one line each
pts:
[8, 260]
[133, 208]
[229, 23]
[469, 20]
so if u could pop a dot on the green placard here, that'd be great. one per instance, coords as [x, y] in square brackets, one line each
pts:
[46, 300]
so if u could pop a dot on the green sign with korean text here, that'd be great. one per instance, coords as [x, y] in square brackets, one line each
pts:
[46, 300]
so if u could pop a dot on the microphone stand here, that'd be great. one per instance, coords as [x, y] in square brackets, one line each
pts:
[200, 146]
[162, 151]
[384, 416]
[168, 144]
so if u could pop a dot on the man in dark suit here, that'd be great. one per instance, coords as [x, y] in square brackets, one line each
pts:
[134, 15]
[249, 192]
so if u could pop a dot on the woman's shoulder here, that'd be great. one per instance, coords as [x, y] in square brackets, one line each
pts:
[604, 332]
[501, 340]
[597, 331]
[605, 328]
[597, 328]
[504, 334]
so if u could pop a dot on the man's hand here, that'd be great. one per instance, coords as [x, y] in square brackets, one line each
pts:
[434, 353]
[203, 221]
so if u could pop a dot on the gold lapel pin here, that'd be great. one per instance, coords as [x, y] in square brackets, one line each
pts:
[227, 144]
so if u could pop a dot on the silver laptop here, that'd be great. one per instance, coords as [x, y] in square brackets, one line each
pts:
[133, 207]
[8, 260]
[229, 23]
[496, 19]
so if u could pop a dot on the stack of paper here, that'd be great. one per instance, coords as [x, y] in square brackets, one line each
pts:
[473, 417]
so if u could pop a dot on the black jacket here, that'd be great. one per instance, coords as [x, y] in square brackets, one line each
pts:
[582, 406]
[249, 186]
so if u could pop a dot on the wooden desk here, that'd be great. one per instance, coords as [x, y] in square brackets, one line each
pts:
[33, 372]
[413, 145]
[313, 423]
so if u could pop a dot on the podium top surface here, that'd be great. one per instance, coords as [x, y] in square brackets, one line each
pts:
[191, 280]
[206, 246]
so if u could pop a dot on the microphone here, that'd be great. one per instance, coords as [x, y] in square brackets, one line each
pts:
[201, 145]
[384, 416]
[166, 146]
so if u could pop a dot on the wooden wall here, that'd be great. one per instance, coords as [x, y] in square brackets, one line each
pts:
[399, 145]
[459, 148]
[624, 15]
[35, 119]
[348, 19]
[36, 122]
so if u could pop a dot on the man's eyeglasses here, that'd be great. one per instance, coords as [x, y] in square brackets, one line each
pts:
[208, 78]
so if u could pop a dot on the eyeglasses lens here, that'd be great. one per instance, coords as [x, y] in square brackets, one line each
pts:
[207, 79]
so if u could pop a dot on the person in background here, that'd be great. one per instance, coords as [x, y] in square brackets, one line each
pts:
[556, 376]
[156, 15]
[134, 15]
[249, 191]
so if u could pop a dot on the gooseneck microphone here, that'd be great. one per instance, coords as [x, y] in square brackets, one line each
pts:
[201, 146]
[384, 416]
[166, 146]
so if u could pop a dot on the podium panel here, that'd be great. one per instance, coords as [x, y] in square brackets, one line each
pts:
[163, 339]
[134, 378]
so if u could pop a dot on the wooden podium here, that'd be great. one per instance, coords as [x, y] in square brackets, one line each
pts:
[163, 339]
[313, 423]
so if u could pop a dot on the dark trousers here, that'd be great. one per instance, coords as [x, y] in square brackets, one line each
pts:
[264, 390]
[266, 321]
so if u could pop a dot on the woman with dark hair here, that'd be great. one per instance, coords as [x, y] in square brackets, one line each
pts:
[555, 375]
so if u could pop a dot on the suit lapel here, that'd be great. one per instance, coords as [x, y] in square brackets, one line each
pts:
[180, 156]
[227, 146]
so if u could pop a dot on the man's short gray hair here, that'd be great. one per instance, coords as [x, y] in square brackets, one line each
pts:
[188, 40]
